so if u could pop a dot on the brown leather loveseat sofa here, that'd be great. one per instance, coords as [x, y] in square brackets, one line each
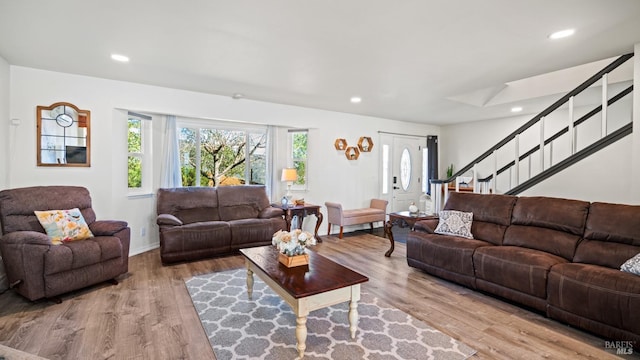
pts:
[201, 222]
[561, 257]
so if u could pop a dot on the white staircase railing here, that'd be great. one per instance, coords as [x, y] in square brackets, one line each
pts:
[541, 155]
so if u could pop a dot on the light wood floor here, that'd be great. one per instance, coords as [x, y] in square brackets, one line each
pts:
[149, 315]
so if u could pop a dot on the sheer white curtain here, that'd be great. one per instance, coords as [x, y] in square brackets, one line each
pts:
[271, 155]
[170, 175]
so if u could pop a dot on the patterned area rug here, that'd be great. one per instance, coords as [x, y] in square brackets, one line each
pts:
[264, 328]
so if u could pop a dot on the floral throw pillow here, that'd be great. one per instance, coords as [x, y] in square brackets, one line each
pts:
[632, 265]
[455, 223]
[64, 225]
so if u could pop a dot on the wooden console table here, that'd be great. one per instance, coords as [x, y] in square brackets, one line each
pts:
[403, 219]
[301, 211]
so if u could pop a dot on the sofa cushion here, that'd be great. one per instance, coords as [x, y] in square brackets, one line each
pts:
[612, 235]
[538, 238]
[189, 204]
[603, 253]
[456, 223]
[271, 212]
[491, 213]
[485, 207]
[79, 254]
[613, 223]
[521, 269]
[252, 231]
[452, 253]
[552, 225]
[605, 295]
[552, 213]
[196, 236]
[241, 202]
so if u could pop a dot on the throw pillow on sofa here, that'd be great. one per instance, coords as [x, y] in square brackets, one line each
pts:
[64, 225]
[632, 265]
[455, 223]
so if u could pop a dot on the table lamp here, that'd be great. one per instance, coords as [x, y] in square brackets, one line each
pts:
[289, 175]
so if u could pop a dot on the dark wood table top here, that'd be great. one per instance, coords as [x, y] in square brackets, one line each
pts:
[410, 215]
[319, 276]
[296, 207]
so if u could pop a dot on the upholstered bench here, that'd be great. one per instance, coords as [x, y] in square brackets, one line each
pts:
[375, 212]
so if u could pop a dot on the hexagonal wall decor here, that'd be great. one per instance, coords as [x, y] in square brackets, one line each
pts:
[352, 153]
[365, 144]
[340, 144]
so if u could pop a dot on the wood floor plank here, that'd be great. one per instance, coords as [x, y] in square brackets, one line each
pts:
[149, 315]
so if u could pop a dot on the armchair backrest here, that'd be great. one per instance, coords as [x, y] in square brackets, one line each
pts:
[17, 206]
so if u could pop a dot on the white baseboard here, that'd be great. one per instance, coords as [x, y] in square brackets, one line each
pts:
[140, 250]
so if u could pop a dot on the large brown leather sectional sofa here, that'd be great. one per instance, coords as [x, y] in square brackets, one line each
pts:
[558, 256]
[201, 222]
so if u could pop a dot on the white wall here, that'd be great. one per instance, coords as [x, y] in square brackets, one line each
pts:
[4, 121]
[4, 141]
[635, 153]
[604, 176]
[331, 176]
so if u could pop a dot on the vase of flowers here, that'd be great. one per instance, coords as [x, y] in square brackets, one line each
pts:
[292, 246]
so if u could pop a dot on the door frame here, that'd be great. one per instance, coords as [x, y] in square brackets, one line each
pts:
[386, 140]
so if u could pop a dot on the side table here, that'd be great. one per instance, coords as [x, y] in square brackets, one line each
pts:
[403, 219]
[301, 211]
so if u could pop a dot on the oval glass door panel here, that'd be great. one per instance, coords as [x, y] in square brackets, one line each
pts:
[405, 169]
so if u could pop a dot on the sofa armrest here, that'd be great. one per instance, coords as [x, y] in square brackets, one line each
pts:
[379, 204]
[26, 237]
[23, 257]
[427, 226]
[107, 227]
[270, 212]
[168, 219]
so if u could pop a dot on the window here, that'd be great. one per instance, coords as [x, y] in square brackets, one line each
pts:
[298, 156]
[385, 169]
[222, 156]
[425, 170]
[405, 169]
[139, 153]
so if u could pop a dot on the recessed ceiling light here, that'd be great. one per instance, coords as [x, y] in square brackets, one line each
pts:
[516, 109]
[237, 96]
[356, 99]
[562, 34]
[120, 58]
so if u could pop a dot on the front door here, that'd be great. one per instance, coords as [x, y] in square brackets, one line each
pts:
[403, 159]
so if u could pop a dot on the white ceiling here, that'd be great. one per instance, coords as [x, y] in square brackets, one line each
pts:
[408, 59]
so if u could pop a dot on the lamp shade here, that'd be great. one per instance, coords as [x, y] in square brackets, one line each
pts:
[289, 174]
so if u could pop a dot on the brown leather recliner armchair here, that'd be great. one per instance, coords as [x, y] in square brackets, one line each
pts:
[38, 269]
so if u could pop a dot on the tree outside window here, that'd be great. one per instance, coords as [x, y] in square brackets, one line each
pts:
[298, 141]
[135, 153]
[139, 162]
[219, 157]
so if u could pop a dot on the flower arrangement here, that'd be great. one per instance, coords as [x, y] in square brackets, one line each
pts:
[294, 242]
